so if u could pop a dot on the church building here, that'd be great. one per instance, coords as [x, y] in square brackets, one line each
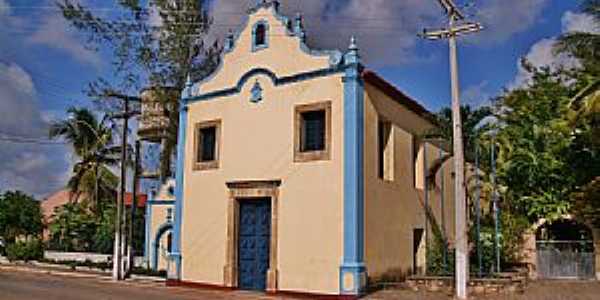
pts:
[300, 171]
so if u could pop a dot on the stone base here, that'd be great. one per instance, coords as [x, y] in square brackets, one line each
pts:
[353, 279]
[272, 280]
[230, 276]
[174, 267]
[507, 285]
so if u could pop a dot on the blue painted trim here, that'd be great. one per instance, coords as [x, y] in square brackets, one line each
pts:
[162, 229]
[353, 259]
[256, 47]
[277, 81]
[148, 222]
[176, 255]
[160, 202]
[335, 56]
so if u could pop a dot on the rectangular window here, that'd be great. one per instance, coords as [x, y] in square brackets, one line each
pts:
[385, 151]
[312, 132]
[207, 145]
[208, 139]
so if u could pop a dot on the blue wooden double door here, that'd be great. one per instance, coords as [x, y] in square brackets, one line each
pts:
[254, 243]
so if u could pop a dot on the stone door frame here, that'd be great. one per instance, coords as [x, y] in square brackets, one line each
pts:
[246, 191]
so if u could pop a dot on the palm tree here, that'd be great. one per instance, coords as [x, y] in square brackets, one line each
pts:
[585, 46]
[92, 144]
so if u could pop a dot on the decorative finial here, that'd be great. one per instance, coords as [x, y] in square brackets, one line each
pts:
[353, 46]
[299, 28]
[229, 41]
[188, 81]
[187, 91]
[352, 57]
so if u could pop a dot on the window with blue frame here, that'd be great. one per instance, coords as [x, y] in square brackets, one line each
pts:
[259, 36]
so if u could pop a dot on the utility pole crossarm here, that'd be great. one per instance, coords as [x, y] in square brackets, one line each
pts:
[459, 30]
[451, 9]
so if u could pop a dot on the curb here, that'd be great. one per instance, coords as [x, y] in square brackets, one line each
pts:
[66, 271]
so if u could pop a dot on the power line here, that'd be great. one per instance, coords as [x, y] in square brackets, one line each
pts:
[31, 141]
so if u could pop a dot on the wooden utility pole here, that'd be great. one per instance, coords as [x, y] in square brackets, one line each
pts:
[461, 235]
[120, 218]
[134, 202]
[117, 259]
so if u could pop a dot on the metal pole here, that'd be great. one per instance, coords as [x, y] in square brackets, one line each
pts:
[426, 196]
[461, 270]
[117, 255]
[478, 211]
[443, 213]
[496, 208]
[136, 174]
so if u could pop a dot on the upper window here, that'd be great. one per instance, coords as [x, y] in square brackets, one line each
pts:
[259, 40]
[312, 132]
[385, 151]
[259, 36]
[207, 145]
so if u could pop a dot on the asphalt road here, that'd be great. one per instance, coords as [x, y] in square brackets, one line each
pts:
[20, 285]
[15, 285]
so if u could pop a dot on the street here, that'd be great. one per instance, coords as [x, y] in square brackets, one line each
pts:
[19, 285]
[16, 285]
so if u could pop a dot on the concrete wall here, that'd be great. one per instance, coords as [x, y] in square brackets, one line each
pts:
[256, 143]
[394, 208]
[84, 256]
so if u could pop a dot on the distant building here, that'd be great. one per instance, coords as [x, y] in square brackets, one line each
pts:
[299, 171]
[64, 196]
[51, 203]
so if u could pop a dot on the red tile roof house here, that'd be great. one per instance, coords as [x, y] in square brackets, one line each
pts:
[64, 196]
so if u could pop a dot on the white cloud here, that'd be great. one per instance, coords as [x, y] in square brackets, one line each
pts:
[54, 32]
[30, 167]
[574, 22]
[386, 29]
[46, 28]
[504, 18]
[542, 53]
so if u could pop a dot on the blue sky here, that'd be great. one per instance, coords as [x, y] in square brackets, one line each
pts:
[44, 66]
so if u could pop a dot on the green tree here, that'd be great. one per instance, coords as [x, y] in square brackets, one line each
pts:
[20, 216]
[473, 127]
[584, 117]
[91, 142]
[73, 228]
[533, 141]
[148, 53]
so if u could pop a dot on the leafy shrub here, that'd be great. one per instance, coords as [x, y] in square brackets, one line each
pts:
[28, 250]
[435, 258]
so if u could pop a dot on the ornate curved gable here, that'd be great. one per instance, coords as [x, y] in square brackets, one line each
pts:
[268, 44]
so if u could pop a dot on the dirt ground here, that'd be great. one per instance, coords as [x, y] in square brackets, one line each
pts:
[538, 290]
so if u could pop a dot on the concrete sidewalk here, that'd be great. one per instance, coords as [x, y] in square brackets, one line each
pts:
[78, 272]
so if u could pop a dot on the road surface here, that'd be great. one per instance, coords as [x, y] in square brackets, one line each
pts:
[22, 285]
[18, 285]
